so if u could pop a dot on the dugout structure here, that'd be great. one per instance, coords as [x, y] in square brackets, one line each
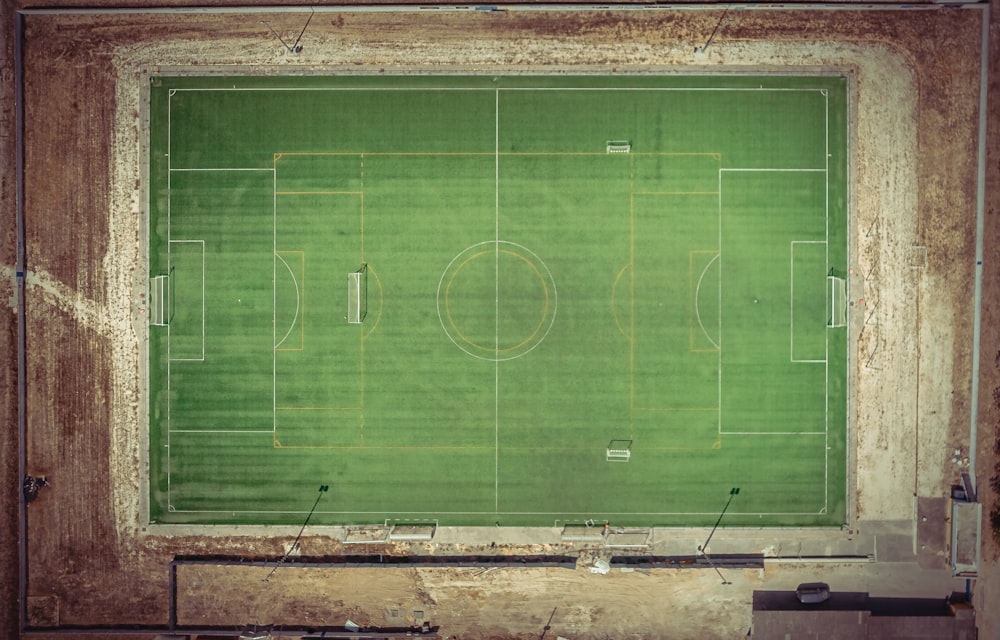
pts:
[532, 287]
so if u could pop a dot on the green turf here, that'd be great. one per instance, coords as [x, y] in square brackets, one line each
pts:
[530, 297]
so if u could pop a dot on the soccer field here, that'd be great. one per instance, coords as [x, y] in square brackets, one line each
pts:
[446, 297]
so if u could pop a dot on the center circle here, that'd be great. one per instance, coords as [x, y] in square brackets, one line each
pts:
[496, 300]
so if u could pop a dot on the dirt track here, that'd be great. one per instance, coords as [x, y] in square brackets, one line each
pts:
[915, 77]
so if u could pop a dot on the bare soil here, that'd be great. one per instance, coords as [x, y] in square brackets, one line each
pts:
[92, 559]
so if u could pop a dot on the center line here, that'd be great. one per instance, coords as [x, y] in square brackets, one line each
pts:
[496, 364]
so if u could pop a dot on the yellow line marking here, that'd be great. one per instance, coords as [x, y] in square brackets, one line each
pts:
[694, 300]
[676, 193]
[670, 410]
[483, 448]
[319, 193]
[362, 334]
[401, 447]
[630, 265]
[631, 293]
[545, 309]
[317, 408]
[614, 298]
[717, 156]
[381, 299]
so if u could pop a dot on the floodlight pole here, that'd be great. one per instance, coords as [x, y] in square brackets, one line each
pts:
[712, 564]
[735, 491]
[548, 625]
[282, 40]
[323, 489]
[715, 32]
[297, 47]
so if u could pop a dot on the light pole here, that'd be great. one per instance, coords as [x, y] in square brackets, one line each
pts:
[322, 489]
[721, 23]
[292, 48]
[735, 491]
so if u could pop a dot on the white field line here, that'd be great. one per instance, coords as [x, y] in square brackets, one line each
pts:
[770, 170]
[220, 169]
[719, 346]
[498, 89]
[825, 432]
[221, 431]
[169, 191]
[496, 343]
[496, 151]
[697, 292]
[432, 514]
[826, 335]
[298, 302]
[774, 433]
[274, 300]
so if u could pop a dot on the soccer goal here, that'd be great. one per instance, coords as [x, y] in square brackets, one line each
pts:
[837, 288]
[619, 146]
[357, 295]
[158, 301]
[619, 451]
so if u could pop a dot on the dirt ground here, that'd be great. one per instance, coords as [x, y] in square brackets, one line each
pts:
[915, 88]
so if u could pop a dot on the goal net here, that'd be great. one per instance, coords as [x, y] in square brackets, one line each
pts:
[618, 146]
[357, 295]
[158, 301]
[837, 288]
[619, 451]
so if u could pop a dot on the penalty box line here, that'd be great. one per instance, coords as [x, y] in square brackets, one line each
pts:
[825, 170]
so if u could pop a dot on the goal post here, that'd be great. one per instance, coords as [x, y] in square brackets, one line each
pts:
[357, 295]
[158, 301]
[837, 289]
[619, 451]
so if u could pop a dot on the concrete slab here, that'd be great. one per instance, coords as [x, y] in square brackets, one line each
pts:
[894, 547]
[582, 533]
[932, 532]
[412, 532]
[966, 524]
[366, 535]
[628, 538]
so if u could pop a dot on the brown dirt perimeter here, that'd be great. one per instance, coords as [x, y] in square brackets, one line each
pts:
[92, 560]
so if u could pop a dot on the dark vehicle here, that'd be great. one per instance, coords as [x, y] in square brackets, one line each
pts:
[813, 592]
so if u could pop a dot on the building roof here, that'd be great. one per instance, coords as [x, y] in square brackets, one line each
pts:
[779, 615]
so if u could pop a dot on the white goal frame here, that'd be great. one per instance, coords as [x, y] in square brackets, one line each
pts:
[619, 451]
[357, 295]
[838, 301]
[618, 146]
[158, 301]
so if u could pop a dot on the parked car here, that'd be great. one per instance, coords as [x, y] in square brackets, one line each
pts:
[813, 592]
